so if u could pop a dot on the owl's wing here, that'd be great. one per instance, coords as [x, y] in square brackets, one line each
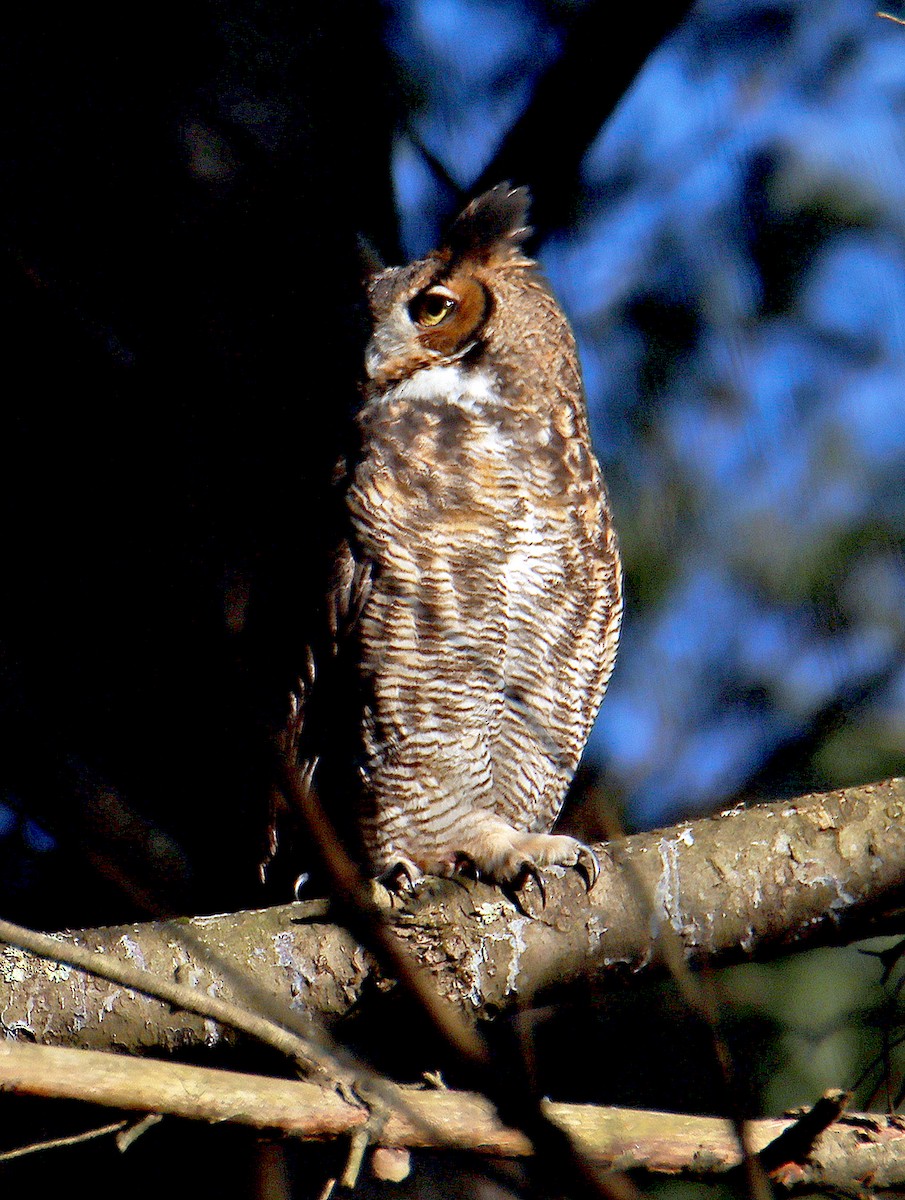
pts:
[311, 713]
[347, 594]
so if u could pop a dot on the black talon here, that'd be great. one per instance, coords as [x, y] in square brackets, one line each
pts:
[531, 871]
[464, 864]
[513, 891]
[399, 878]
[404, 872]
[588, 867]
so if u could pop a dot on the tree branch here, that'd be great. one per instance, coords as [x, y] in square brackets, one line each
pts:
[546, 145]
[819, 870]
[59, 956]
[856, 1147]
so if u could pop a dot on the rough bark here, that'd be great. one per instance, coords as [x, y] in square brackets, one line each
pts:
[856, 1149]
[746, 884]
[314, 968]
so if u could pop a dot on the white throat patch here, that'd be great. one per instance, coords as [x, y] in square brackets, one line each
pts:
[470, 389]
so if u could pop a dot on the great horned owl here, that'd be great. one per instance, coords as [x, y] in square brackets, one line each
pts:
[475, 602]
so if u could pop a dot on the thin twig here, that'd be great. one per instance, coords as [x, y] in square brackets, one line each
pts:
[357, 1146]
[56, 1143]
[126, 1138]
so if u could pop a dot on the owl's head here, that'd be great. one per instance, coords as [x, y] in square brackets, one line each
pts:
[435, 310]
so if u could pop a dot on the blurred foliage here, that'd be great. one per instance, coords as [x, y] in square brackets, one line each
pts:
[831, 1013]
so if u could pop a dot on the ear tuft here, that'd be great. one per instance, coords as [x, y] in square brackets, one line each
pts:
[492, 227]
[369, 261]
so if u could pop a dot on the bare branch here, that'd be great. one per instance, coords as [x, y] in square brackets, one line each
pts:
[546, 145]
[796, 1143]
[820, 870]
[314, 967]
[856, 1147]
[138, 979]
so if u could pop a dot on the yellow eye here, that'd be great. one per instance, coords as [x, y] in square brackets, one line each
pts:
[432, 307]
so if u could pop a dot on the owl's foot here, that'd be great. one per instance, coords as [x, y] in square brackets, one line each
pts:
[554, 850]
[504, 855]
[465, 865]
